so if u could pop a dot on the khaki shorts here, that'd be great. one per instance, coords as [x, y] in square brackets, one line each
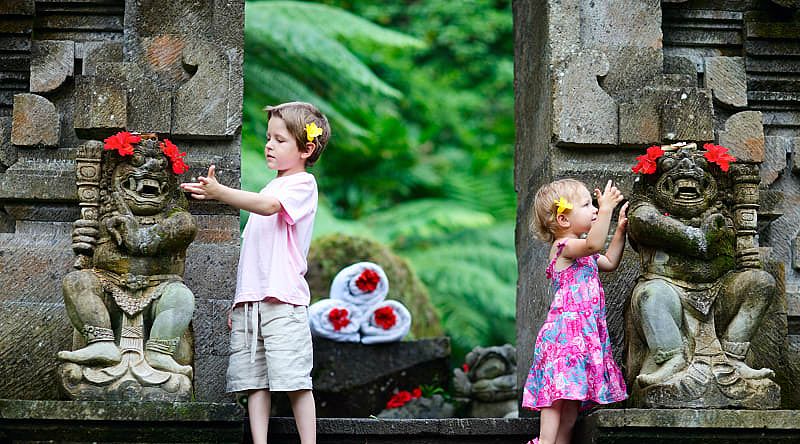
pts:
[270, 348]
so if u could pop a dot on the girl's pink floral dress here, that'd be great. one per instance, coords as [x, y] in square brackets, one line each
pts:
[572, 358]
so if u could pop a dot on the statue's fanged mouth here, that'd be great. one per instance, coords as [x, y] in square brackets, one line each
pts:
[147, 188]
[684, 190]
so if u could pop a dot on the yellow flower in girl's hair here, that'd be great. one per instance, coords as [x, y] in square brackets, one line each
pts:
[563, 205]
[312, 131]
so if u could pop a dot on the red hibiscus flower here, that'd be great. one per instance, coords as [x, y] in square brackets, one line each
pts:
[385, 317]
[719, 155]
[465, 367]
[416, 393]
[175, 156]
[338, 317]
[368, 280]
[399, 399]
[122, 142]
[646, 163]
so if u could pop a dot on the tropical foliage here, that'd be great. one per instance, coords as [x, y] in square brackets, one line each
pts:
[420, 98]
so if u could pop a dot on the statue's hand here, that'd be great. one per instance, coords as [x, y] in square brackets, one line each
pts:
[121, 227]
[85, 234]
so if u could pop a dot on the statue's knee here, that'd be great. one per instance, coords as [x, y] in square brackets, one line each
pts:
[78, 282]
[757, 282]
[655, 293]
[178, 296]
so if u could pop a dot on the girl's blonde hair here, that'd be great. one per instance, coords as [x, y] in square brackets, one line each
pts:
[544, 206]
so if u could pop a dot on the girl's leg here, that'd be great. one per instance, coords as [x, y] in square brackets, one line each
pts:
[305, 415]
[569, 413]
[258, 405]
[549, 421]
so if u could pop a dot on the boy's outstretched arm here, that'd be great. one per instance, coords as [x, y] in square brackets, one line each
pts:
[208, 188]
[610, 261]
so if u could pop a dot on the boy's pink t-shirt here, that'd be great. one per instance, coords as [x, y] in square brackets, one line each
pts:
[272, 262]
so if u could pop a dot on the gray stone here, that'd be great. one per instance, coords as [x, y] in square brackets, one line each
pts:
[680, 65]
[35, 121]
[583, 113]
[101, 107]
[776, 151]
[788, 3]
[51, 63]
[434, 407]
[687, 114]
[201, 105]
[17, 7]
[149, 106]
[744, 136]
[98, 52]
[8, 153]
[640, 119]
[726, 78]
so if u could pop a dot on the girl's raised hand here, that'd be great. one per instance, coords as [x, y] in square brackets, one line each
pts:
[609, 197]
[622, 220]
[205, 188]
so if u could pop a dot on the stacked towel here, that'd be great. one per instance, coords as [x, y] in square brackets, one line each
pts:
[333, 319]
[357, 311]
[388, 321]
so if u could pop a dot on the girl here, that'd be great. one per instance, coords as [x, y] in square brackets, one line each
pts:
[572, 360]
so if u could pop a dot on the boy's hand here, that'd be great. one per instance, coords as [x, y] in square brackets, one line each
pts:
[609, 197]
[206, 187]
[622, 220]
[230, 319]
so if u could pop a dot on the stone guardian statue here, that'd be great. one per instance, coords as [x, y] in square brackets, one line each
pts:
[127, 299]
[702, 292]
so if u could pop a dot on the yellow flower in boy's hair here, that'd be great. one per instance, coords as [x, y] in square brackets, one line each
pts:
[563, 205]
[312, 131]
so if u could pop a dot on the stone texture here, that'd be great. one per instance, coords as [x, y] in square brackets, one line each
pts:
[8, 153]
[101, 107]
[744, 136]
[35, 121]
[149, 106]
[583, 113]
[687, 115]
[776, 150]
[18, 7]
[640, 119]
[51, 63]
[726, 78]
[98, 52]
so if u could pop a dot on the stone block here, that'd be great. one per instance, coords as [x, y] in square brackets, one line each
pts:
[35, 121]
[744, 136]
[687, 114]
[52, 61]
[42, 178]
[679, 65]
[8, 153]
[640, 119]
[101, 107]
[202, 105]
[17, 7]
[583, 113]
[98, 52]
[776, 150]
[726, 78]
[28, 346]
[149, 106]
[211, 270]
[209, 378]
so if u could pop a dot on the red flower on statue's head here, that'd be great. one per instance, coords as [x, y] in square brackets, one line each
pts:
[646, 163]
[719, 155]
[122, 142]
[368, 280]
[385, 317]
[339, 319]
[175, 156]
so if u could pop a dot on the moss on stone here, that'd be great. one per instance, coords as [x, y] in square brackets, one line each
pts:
[330, 254]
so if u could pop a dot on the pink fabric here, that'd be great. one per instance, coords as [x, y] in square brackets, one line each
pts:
[272, 262]
[572, 357]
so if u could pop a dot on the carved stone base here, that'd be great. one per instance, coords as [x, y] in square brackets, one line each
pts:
[86, 383]
[675, 393]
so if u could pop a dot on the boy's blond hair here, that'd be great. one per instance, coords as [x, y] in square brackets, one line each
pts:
[544, 206]
[297, 115]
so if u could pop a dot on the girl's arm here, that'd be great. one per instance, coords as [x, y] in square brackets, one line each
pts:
[610, 261]
[596, 239]
[210, 188]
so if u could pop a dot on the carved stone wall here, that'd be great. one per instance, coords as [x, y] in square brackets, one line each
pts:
[72, 71]
[597, 82]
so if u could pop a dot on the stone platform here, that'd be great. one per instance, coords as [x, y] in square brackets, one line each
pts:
[164, 422]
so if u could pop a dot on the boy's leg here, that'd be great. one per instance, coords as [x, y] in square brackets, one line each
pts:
[258, 405]
[305, 415]
[549, 422]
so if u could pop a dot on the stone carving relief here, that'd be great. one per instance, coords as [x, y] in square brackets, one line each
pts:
[488, 383]
[702, 293]
[127, 299]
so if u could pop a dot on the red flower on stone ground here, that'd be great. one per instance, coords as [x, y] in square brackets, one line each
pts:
[338, 317]
[719, 155]
[402, 397]
[385, 317]
[122, 142]
[646, 163]
[368, 280]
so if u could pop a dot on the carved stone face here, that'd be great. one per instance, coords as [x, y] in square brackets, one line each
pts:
[142, 180]
[685, 187]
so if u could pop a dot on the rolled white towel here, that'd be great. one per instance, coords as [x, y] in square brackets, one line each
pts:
[335, 320]
[389, 321]
[363, 285]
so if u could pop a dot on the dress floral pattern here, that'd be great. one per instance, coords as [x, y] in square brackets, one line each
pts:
[572, 358]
